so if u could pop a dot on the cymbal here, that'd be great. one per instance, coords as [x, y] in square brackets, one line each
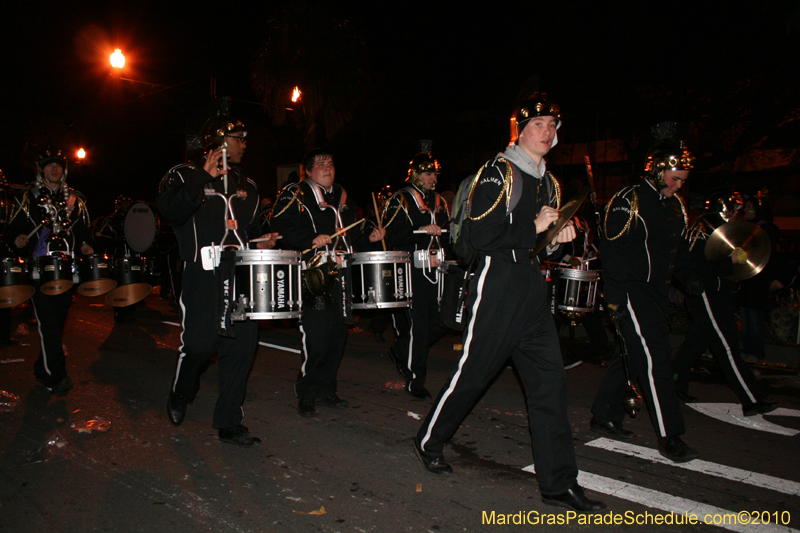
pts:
[565, 214]
[740, 234]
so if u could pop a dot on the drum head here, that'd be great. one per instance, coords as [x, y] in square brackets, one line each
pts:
[15, 295]
[97, 287]
[126, 295]
[56, 287]
[141, 227]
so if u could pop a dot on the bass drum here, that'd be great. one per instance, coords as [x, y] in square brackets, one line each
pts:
[141, 227]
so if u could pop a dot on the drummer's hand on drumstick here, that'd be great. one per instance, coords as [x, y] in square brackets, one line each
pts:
[86, 249]
[21, 241]
[321, 240]
[432, 229]
[377, 234]
[269, 243]
[567, 233]
[547, 215]
[213, 164]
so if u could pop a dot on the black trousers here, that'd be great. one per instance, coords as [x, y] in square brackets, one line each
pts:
[645, 330]
[200, 342]
[714, 326]
[324, 336]
[51, 314]
[510, 317]
[423, 327]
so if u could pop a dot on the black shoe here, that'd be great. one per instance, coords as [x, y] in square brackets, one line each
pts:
[421, 393]
[611, 429]
[62, 387]
[399, 365]
[574, 499]
[333, 401]
[306, 407]
[238, 435]
[676, 450]
[176, 408]
[375, 333]
[760, 407]
[434, 465]
[685, 398]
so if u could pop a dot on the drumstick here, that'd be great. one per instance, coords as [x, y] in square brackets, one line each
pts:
[423, 231]
[340, 232]
[378, 216]
[34, 231]
[264, 239]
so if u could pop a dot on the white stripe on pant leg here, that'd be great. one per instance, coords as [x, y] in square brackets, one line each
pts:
[650, 381]
[305, 350]
[727, 349]
[464, 355]
[181, 351]
[409, 359]
[41, 341]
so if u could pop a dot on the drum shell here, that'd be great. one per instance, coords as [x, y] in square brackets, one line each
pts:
[575, 290]
[267, 282]
[128, 270]
[131, 288]
[381, 280]
[14, 286]
[54, 273]
[96, 274]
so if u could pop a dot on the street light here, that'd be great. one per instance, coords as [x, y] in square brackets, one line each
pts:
[296, 94]
[117, 59]
[81, 153]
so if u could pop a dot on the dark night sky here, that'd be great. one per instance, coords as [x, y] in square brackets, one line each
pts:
[431, 65]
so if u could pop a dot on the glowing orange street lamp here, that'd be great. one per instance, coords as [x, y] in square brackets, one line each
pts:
[296, 94]
[81, 153]
[117, 59]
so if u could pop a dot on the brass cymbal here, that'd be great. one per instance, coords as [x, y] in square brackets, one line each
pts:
[740, 234]
[565, 214]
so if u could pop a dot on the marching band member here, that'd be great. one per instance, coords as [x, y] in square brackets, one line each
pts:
[713, 322]
[66, 226]
[199, 221]
[307, 215]
[643, 240]
[418, 206]
[510, 311]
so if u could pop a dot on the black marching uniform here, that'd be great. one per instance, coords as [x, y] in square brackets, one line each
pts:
[409, 209]
[510, 317]
[199, 221]
[643, 243]
[51, 310]
[714, 326]
[303, 211]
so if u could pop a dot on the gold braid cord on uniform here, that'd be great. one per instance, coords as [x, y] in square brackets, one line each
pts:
[634, 203]
[696, 233]
[556, 188]
[23, 206]
[400, 206]
[683, 210]
[506, 190]
[294, 199]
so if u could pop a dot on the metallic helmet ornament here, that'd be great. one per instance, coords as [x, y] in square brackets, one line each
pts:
[422, 162]
[667, 151]
[51, 156]
[217, 128]
[535, 105]
[384, 195]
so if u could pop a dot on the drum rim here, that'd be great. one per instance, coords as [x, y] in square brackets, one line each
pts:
[404, 257]
[579, 275]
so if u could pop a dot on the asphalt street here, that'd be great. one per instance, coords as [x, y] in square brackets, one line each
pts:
[105, 457]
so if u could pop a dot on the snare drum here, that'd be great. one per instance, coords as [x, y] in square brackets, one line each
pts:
[14, 287]
[267, 284]
[130, 289]
[141, 227]
[575, 290]
[381, 280]
[55, 274]
[96, 275]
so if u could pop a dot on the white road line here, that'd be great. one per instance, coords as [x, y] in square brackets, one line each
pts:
[791, 488]
[284, 348]
[670, 504]
[732, 414]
